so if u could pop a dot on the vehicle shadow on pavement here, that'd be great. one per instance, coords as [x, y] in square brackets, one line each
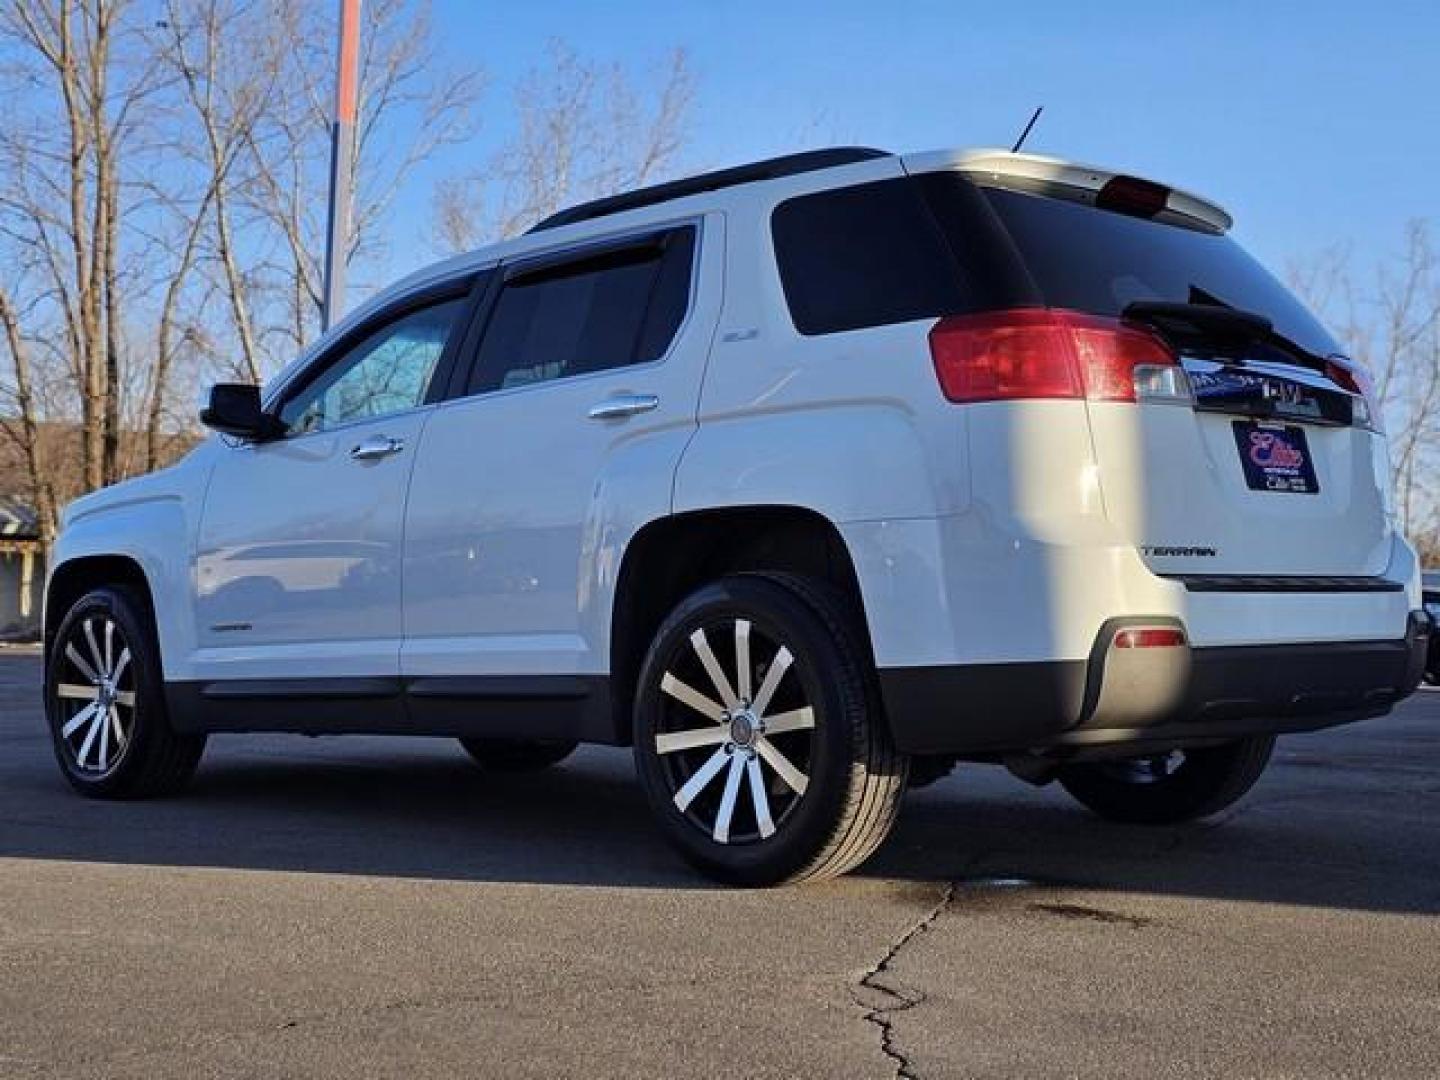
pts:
[1268, 849]
[1343, 819]
[420, 810]
[423, 811]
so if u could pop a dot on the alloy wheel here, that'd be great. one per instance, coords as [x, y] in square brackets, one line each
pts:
[737, 761]
[1145, 770]
[95, 695]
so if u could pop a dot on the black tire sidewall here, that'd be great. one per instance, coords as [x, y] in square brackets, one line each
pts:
[150, 719]
[833, 687]
[1207, 781]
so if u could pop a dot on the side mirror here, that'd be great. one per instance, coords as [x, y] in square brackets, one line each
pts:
[234, 409]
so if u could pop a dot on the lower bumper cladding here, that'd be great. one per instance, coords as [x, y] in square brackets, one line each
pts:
[1145, 685]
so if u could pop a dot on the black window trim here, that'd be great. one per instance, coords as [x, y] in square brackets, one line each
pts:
[576, 252]
[563, 261]
[471, 286]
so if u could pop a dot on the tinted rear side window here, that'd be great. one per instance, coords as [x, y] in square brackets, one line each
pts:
[597, 313]
[1099, 261]
[860, 256]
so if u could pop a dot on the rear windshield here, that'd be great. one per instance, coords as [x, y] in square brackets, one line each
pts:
[1099, 261]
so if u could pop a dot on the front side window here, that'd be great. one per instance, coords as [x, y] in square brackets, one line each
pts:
[597, 313]
[386, 372]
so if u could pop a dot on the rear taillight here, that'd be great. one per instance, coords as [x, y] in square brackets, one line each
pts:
[1043, 353]
[1355, 379]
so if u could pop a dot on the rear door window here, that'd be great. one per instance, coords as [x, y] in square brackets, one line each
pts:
[867, 255]
[598, 312]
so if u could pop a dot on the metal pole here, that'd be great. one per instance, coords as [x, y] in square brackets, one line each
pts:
[342, 149]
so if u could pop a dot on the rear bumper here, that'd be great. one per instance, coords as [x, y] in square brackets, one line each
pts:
[1142, 698]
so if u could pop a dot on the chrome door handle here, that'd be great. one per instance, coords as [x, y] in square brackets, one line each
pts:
[377, 446]
[623, 405]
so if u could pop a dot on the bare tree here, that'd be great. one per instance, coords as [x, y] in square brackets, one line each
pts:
[584, 131]
[409, 108]
[227, 75]
[165, 165]
[1391, 324]
[27, 438]
[61, 211]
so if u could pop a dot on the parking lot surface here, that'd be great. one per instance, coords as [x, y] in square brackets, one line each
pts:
[346, 907]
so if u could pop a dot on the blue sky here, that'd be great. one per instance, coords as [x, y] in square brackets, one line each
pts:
[1313, 123]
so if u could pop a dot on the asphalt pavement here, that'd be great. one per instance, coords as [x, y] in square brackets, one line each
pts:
[369, 907]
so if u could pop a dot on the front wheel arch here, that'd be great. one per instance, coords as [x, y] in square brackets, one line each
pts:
[72, 579]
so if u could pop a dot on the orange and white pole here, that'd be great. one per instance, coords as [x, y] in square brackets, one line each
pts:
[342, 149]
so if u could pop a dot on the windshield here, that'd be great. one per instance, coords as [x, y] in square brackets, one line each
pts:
[1098, 261]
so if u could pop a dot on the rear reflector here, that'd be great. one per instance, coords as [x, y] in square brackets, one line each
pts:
[1045, 353]
[1149, 637]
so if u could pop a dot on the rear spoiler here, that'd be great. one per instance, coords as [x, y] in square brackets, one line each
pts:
[1040, 175]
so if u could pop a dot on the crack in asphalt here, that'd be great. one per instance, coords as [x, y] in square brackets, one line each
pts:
[894, 998]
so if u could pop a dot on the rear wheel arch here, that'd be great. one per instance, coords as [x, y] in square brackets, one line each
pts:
[669, 558]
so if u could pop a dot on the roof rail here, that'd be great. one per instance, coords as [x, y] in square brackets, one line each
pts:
[770, 169]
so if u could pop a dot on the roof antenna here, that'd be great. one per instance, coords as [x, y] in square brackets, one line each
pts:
[1026, 133]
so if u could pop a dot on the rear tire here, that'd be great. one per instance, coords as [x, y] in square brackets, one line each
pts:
[105, 702]
[1165, 789]
[759, 739]
[518, 755]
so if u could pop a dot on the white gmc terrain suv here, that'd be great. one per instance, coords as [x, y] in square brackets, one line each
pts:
[805, 479]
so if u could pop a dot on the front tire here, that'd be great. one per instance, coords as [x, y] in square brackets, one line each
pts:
[759, 740]
[105, 702]
[1164, 789]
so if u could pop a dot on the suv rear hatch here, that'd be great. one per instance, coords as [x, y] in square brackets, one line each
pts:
[1233, 441]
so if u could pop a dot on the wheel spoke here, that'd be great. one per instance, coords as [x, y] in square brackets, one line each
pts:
[672, 741]
[95, 655]
[761, 800]
[121, 664]
[699, 702]
[726, 813]
[104, 750]
[712, 668]
[109, 646]
[703, 775]
[794, 720]
[126, 698]
[743, 674]
[741, 735]
[120, 737]
[79, 661]
[75, 722]
[778, 667]
[77, 691]
[797, 780]
[84, 754]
